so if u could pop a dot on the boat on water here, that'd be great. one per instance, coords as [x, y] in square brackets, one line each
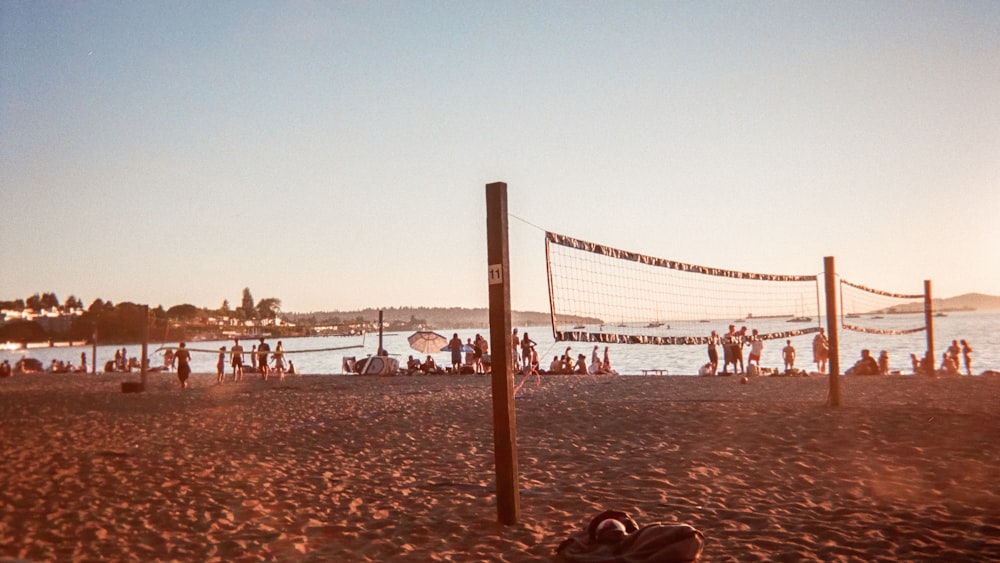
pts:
[799, 320]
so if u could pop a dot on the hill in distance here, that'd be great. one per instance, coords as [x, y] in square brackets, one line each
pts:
[460, 317]
[434, 317]
[966, 302]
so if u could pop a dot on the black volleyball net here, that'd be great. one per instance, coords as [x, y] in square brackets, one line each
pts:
[625, 297]
[864, 309]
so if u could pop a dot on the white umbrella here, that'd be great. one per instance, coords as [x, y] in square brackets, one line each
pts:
[426, 341]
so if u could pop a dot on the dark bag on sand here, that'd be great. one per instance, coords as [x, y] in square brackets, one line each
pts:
[623, 541]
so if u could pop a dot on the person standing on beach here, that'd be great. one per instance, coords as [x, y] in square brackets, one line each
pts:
[470, 354]
[455, 345]
[183, 364]
[741, 339]
[967, 357]
[279, 361]
[821, 350]
[756, 349]
[526, 344]
[515, 347]
[220, 366]
[253, 358]
[788, 354]
[713, 351]
[262, 351]
[237, 360]
[729, 350]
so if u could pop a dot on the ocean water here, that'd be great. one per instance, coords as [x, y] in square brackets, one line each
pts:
[324, 355]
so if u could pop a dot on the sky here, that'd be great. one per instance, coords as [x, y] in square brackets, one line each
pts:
[334, 155]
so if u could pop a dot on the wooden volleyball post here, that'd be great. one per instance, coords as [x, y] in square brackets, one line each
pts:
[831, 329]
[504, 424]
[929, 320]
[145, 345]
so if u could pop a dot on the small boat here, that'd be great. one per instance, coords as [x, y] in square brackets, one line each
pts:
[376, 365]
[654, 325]
[799, 320]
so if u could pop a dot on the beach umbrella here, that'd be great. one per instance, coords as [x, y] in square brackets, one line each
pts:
[426, 341]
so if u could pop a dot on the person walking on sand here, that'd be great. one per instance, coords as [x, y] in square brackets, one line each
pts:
[788, 354]
[183, 364]
[262, 351]
[220, 366]
[236, 359]
[821, 350]
[967, 357]
[455, 346]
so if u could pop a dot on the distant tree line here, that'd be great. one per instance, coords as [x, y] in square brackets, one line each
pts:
[125, 322]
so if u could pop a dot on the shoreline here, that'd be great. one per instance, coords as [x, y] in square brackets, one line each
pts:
[400, 469]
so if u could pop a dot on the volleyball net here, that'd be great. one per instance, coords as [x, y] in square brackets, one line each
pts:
[864, 309]
[602, 294]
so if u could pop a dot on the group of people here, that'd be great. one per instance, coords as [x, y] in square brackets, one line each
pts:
[959, 353]
[566, 364]
[476, 354]
[261, 359]
[733, 344]
[735, 341]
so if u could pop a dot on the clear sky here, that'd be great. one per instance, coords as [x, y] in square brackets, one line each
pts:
[334, 154]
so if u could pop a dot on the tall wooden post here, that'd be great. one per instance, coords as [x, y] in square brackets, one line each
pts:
[504, 423]
[929, 321]
[380, 350]
[93, 353]
[145, 345]
[832, 326]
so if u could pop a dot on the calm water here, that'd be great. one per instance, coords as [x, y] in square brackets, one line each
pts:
[312, 355]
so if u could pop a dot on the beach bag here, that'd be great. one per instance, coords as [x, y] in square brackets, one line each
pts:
[625, 542]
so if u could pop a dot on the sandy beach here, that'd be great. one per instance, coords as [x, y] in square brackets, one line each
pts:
[337, 468]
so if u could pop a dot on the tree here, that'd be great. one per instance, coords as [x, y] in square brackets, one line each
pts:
[248, 308]
[49, 300]
[15, 305]
[98, 306]
[23, 331]
[268, 308]
[225, 306]
[183, 312]
[34, 302]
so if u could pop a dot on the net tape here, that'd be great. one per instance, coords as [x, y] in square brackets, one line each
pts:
[613, 338]
[610, 252]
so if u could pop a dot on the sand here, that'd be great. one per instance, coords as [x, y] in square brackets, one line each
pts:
[335, 468]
